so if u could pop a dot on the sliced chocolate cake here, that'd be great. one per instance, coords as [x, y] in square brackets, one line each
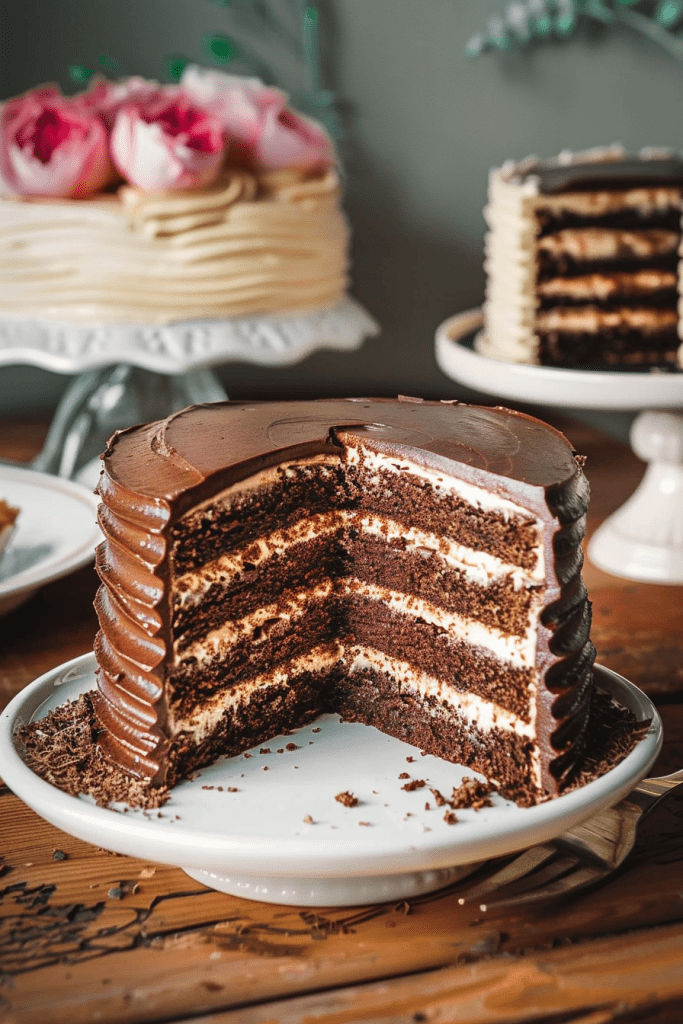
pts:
[412, 565]
[582, 261]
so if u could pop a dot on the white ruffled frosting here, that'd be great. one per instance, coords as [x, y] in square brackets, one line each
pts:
[244, 246]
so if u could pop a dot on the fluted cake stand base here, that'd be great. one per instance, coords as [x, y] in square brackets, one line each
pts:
[643, 540]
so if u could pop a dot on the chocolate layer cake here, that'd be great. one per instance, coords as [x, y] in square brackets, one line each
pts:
[583, 261]
[412, 565]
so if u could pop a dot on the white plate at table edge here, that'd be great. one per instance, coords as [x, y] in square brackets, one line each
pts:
[548, 385]
[20, 586]
[315, 866]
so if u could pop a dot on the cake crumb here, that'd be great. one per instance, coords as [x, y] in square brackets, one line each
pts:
[317, 729]
[291, 746]
[233, 789]
[428, 806]
[410, 759]
[404, 775]
[366, 823]
[450, 818]
[414, 784]
[265, 768]
[280, 750]
[472, 793]
[347, 799]
[308, 820]
[439, 799]
[264, 750]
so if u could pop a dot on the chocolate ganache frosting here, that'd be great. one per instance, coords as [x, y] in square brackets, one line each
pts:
[155, 474]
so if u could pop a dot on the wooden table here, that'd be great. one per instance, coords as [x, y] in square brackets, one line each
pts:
[92, 936]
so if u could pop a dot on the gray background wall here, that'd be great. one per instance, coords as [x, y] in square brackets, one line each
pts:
[424, 126]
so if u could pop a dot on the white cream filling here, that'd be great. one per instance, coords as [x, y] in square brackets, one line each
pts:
[476, 711]
[516, 651]
[265, 479]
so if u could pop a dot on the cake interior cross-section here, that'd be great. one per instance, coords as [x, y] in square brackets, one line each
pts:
[415, 566]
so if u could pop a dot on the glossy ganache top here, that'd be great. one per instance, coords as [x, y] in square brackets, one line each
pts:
[164, 460]
[594, 175]
[152, 474]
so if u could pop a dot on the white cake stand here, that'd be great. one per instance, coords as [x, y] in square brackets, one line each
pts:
[135, 373]
[642, 540]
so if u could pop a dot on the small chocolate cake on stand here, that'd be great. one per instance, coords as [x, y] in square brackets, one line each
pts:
[642, 540]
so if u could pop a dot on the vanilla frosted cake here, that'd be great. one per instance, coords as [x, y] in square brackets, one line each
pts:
[138, 203]
[250, 243]
[583, 260]
[412, 565]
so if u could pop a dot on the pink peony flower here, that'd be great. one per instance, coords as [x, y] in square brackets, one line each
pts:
[289, 139]
[50, 147]
[165, 141]
[106, 98]
[267, 134]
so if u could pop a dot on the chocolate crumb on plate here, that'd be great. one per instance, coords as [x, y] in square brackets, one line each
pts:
[414, 784]
[347, 799]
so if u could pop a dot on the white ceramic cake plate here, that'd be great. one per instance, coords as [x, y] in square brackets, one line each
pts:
[275, 831]
[642, 540]
[182, 346]
[55, 533]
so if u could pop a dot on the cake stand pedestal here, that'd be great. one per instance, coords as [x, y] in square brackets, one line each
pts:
[642, 540]
[137, 373]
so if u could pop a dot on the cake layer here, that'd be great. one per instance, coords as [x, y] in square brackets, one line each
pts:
[264, 637]
[618, 349]
[496, 596]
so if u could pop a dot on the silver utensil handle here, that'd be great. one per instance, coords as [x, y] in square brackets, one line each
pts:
[648, 792]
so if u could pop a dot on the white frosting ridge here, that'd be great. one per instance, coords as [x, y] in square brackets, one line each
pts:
[243, 246]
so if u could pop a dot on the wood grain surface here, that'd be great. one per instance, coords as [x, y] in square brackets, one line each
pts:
[86, 935]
